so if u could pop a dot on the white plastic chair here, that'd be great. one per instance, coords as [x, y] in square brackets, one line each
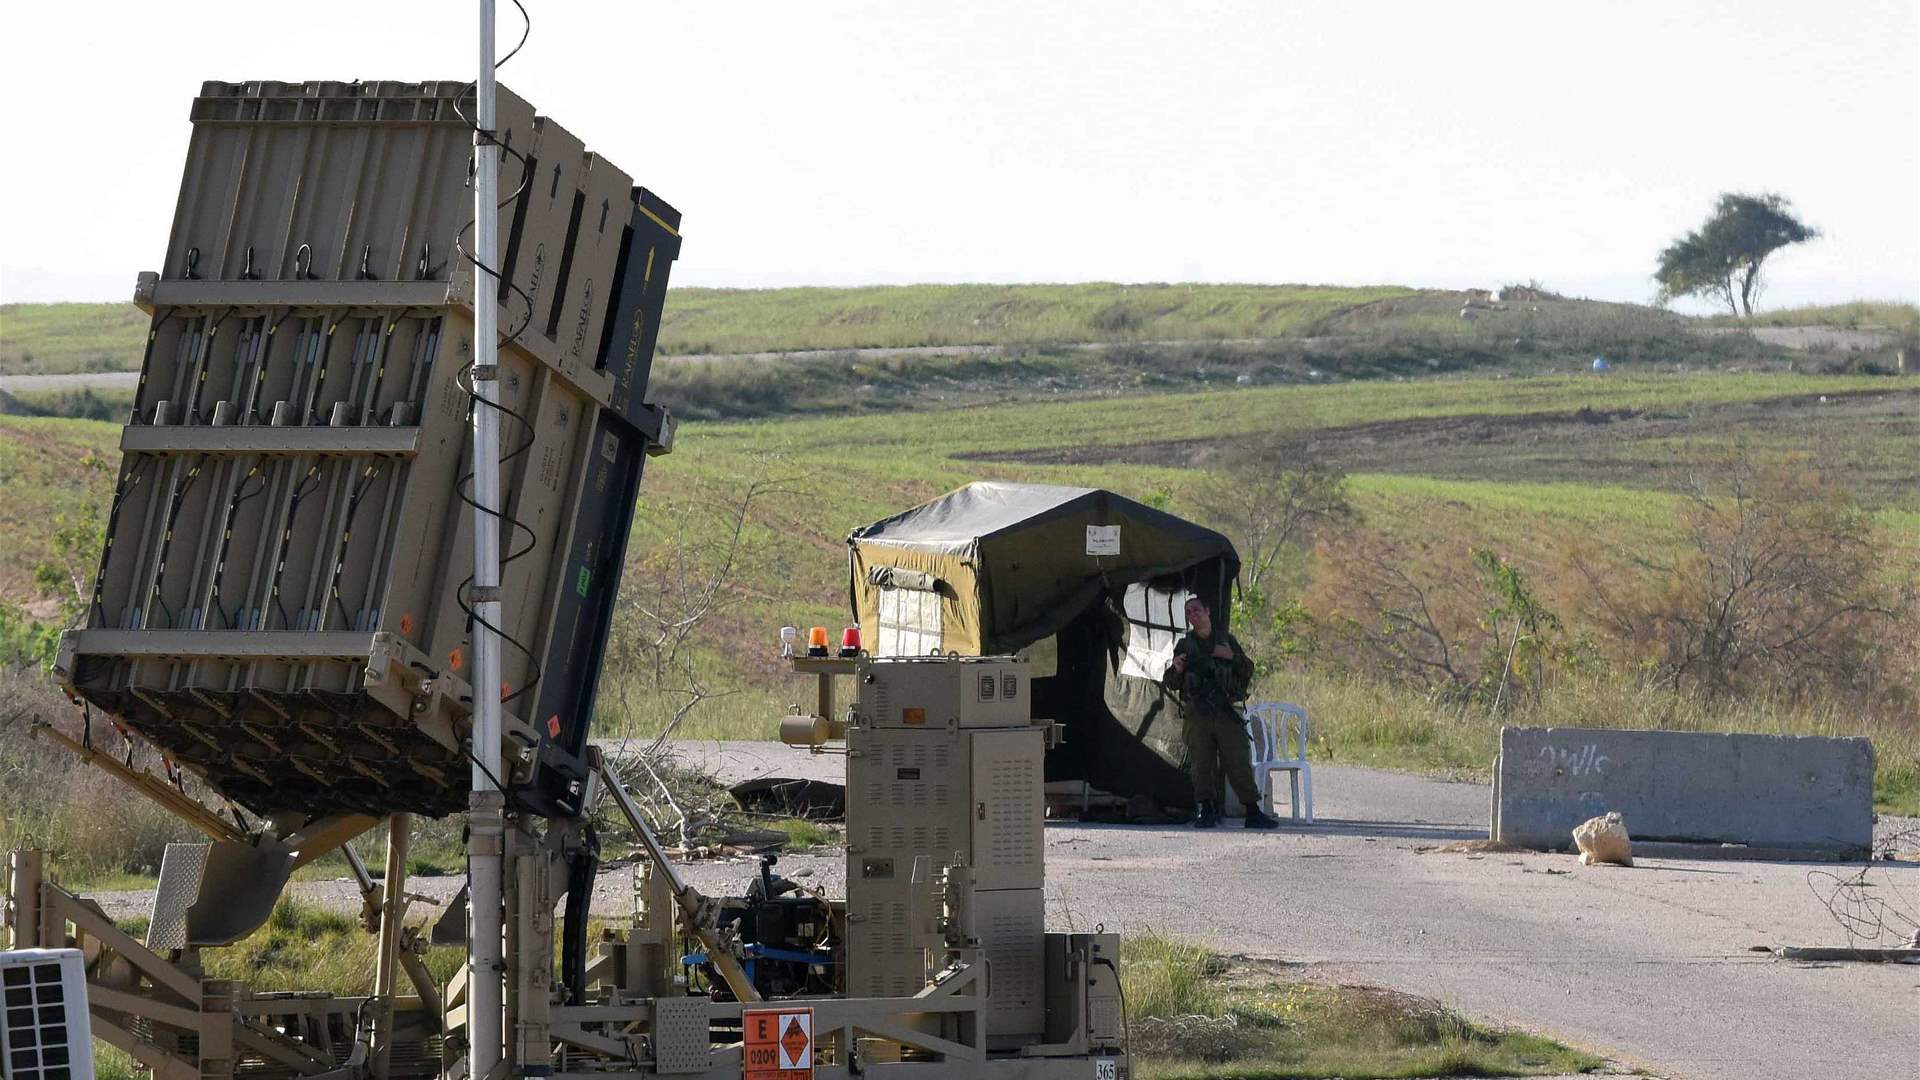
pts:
[1279, 733]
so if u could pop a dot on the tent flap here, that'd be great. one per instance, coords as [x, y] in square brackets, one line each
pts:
[898, 577]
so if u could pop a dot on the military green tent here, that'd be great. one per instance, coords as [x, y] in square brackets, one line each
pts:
[1090, 585]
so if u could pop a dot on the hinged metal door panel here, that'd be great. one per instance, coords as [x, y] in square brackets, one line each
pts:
[1009, 808]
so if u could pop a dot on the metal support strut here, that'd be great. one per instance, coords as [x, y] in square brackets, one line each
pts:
[685, 895]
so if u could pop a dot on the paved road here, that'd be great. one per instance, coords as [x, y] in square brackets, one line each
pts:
[1814, 337]
[1650, 965]
[98, 380]
[1793, 337]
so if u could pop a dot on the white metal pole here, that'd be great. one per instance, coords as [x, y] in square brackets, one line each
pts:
[485, 970]
[486, 428]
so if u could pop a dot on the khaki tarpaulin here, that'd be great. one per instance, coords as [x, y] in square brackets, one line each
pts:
[994, 568]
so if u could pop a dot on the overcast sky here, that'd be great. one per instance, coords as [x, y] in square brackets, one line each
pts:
[846, 143]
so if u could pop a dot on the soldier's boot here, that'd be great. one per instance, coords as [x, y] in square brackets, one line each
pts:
[1258, 820]
[1206, 817]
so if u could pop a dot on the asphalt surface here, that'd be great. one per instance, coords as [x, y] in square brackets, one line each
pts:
[1652, 966]
[97, 380]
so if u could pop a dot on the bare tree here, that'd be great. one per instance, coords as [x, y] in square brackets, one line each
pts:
[1779, 585]
[1523, 629]
[1269, 496]
[1383, 614]
[683, 580]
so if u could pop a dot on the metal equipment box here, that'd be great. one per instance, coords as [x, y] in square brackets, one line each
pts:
[944, 691]
[938, 767]
[281, 601]
[47, 1033]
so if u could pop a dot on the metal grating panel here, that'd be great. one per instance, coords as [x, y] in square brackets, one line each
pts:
[1011, 927]
[46, 1034]
[182, 868]
[681, 1043]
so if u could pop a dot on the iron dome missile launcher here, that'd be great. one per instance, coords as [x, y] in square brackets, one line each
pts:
[283, 608]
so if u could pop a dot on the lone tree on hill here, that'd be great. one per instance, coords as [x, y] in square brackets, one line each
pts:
[1721, 260]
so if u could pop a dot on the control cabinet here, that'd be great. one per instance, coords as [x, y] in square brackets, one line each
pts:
[945, 765]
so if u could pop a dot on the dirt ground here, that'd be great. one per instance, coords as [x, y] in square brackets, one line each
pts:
[1859, 433]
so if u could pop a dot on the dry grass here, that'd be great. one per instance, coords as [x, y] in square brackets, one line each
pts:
[1360, 719]
[99, 832]
[1195, 1014]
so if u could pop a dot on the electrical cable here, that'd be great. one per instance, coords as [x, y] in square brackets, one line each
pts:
[122, 490]
[368, 477]
[1126, 1022]
[166, 541]
[206, 362]
[474, 400]
[286, 535]
[260, 375]
[226, 542]
[466, 751]
[460, 492]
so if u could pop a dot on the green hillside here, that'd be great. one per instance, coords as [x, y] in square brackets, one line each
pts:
[43, 339]
[1455, 439]
[59, 338]
[757, 320]
[1373, 330]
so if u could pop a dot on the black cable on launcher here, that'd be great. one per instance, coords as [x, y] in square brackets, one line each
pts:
[463, 484]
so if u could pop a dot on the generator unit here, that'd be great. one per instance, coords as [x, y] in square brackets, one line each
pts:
[944, 766]
[946, 850]
[282, 601]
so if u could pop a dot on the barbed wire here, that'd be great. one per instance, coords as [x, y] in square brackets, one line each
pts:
[1872, 908]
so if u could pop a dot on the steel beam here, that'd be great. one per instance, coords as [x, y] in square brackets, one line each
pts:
[298, 294]
[233, 440]
[219, 644]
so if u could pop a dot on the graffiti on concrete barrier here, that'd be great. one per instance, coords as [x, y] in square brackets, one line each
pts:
[1587, 761]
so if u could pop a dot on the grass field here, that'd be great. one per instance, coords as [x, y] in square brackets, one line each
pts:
[1427, 469]
[36, 338]
[1519, 460]
[52, 471]
[40, 339]
[1198, 1016]
[1386, 322]
[1858, 315]
[756, 320]
[1192, 1013]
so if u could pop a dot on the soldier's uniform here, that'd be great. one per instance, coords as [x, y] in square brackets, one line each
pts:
[1209, 692]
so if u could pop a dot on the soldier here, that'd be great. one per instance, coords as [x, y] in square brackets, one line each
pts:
[1211, 676]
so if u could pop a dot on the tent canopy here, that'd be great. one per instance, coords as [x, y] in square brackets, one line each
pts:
[1016, 562]
[994, 568]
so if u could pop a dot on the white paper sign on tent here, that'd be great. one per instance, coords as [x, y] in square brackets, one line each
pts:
[1103, 539]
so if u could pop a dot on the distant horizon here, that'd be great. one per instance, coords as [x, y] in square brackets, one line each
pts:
[1688, 306]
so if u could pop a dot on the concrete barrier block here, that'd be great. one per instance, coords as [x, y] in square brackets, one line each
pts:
[1785, 792]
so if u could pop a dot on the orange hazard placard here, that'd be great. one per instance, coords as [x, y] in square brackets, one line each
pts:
[779, 1044]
